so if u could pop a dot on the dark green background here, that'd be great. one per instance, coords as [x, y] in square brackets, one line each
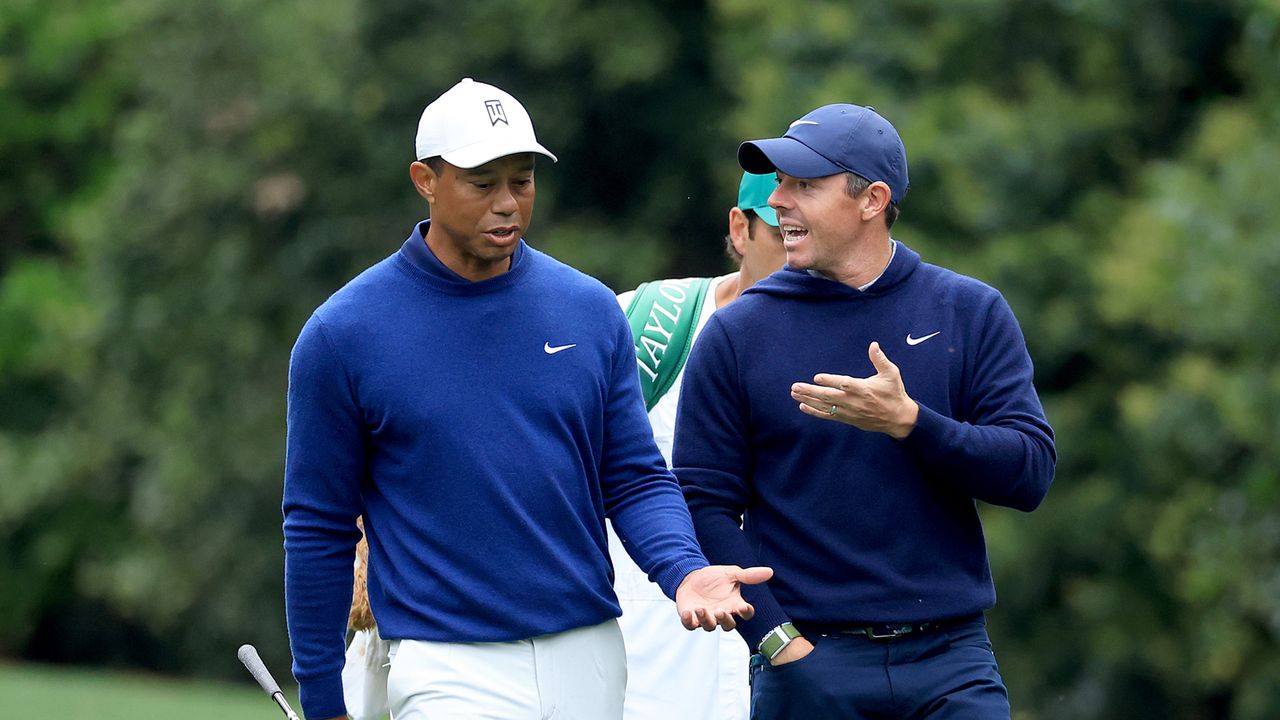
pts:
[184, 182]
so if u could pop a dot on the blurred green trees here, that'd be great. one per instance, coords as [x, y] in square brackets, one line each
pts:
[184, 183]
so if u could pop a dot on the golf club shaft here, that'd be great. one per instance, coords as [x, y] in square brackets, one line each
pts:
[284, 706]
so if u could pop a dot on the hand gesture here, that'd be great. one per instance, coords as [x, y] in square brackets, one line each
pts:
[875, 404]
[711, 596]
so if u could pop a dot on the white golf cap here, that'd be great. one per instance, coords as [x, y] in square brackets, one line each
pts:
[473, 123]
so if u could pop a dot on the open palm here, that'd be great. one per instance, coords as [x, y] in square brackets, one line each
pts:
[711, 597]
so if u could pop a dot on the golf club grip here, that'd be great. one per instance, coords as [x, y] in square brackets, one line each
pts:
[248, 655]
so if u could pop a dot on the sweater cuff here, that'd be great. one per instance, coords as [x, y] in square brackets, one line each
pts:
[765, 619]
[671, 578]
[929, 434]
[322, 697]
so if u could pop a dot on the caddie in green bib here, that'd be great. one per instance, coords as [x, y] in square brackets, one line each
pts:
[663, 315]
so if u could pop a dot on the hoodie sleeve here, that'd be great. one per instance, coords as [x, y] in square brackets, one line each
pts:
[711, 460]
[1002, 452]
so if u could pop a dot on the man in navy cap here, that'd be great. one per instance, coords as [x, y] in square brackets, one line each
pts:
[839, 423]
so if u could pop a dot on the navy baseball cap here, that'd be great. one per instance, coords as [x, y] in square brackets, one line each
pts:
[831, 140]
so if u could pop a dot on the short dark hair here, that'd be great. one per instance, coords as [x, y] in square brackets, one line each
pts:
[855, 185]
[729, 250]
[435, 162]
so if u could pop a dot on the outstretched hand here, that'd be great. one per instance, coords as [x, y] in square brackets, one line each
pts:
[876, 404]
[710, 597]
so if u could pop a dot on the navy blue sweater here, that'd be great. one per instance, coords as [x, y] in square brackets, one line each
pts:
[484, 464]
[860, 527]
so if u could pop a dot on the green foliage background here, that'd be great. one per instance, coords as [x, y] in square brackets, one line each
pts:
[184, 182]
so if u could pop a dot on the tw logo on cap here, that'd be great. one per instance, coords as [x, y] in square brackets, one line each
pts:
[496, 113]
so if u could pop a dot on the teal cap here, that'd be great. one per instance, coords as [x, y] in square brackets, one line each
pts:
[754, 192]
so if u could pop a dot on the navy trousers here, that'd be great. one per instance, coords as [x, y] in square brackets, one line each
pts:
[940, 675]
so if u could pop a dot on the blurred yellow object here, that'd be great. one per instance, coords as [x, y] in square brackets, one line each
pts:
[361, 615]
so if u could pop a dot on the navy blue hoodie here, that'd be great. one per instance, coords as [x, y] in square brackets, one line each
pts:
[860, 528]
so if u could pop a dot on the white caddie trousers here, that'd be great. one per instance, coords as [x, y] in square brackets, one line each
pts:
[578, 674]
[674, 673]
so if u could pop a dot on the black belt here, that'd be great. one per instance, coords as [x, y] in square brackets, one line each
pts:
[884, 631]
[891, 632]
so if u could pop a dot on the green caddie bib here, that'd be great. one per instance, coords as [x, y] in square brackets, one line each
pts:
[663, 314]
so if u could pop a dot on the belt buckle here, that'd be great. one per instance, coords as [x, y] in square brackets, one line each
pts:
[888, 632]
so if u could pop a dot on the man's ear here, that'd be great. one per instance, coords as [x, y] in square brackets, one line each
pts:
[739, 230]
[424, 180]
[875, 199]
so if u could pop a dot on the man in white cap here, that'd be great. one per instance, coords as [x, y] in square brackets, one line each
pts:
[672, 674]
[477, 402]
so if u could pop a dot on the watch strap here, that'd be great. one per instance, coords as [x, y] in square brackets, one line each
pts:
[776, 639]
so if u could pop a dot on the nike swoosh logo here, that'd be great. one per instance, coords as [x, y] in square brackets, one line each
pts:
[801, 122]
[917, 341]
[546, 348]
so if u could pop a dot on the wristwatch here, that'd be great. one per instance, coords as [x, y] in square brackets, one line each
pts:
[777, 639]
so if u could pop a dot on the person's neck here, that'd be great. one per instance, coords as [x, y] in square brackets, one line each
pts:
[866, 262]
[736, 283]
[730, 288]
[475, 270]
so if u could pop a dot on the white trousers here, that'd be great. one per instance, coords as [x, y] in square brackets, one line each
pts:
[674, 673]
[578, 674]
[364, 676]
